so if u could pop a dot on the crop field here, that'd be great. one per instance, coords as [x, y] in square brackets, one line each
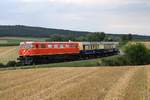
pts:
[9, 53]
[147, 44]
[81, 83]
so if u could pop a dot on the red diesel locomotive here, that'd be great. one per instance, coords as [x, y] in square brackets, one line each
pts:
[31, 52]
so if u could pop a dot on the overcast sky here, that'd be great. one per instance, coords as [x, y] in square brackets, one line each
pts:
[111, 16]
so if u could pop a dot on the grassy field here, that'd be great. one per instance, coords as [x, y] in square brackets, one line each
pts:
[9, 53]
[92, 83]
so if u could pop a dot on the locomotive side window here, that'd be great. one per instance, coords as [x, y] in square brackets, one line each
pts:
[36, 46]
[76, 45]
[67, 45]
[61, 46]
[43, 46]
[55, 46]
[50, 46]
[71, 45]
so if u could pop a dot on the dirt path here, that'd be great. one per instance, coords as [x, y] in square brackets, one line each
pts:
[117, 90]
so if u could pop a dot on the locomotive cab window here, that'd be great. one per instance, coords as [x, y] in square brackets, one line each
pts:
[28, 46]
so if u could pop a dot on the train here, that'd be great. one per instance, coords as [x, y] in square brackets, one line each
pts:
[45, 52]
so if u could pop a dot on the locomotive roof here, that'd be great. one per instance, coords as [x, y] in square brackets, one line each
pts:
[30, 42]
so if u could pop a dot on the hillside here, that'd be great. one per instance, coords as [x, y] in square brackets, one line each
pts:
[28, 31]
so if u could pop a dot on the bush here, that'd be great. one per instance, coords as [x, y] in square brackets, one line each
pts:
[11, 64]
[2, 65]
[137, 54]
[115, 61]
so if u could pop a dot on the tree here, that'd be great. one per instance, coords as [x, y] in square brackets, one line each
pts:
[127, 37]
[96, 36]
[130, 37]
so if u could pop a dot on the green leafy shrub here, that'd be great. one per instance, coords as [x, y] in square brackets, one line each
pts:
[115, 61]
[2, 65]
[137, 54]
[11, 64]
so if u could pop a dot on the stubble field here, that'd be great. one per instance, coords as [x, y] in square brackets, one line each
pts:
[95, 83]
[9, 53]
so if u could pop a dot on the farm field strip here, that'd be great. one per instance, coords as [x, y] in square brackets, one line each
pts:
[137, 87]
[148, 82]
[56, 83]
[33, 78]
[117, 90]
[25, 78]
[4, 53]
[35, 86]
[78, 86]
[46, 81]
[8, 54]
[43, 94]
[95, 83]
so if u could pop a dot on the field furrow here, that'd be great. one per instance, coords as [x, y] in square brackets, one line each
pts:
[117, 90]
[17, 82]
[92, 87]
[29, 88]
[148, 82]
[137, 87]
[45, 92]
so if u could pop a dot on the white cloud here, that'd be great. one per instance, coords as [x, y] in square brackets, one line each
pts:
[114, 16]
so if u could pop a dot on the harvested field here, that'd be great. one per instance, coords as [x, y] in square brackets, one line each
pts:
[9, 53]
[147, 44]
[95, 83]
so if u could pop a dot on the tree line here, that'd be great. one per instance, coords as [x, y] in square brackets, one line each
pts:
[63, 35]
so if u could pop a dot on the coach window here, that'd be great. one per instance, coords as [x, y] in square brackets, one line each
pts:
[50, 46]
[55, 46]
[43, 46]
